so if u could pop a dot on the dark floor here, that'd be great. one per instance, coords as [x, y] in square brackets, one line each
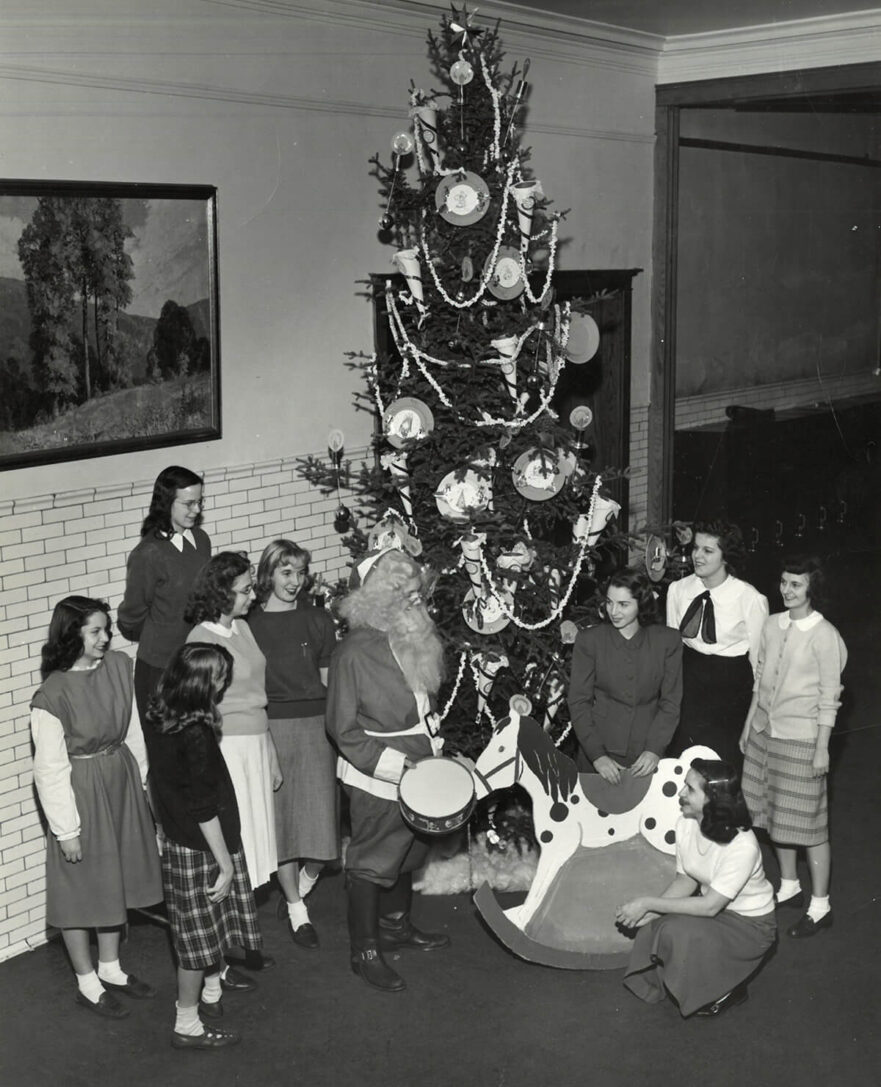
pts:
[476, 1015]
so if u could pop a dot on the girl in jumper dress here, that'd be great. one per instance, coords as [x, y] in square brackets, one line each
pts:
[89, 769]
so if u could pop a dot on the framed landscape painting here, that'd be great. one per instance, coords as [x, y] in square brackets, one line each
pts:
[109, 327]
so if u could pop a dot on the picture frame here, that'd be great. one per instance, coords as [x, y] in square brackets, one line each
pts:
[109, 319]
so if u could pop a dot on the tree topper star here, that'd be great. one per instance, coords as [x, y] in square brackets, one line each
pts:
[460, 24]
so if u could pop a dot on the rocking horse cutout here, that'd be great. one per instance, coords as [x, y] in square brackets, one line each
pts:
[601, 844]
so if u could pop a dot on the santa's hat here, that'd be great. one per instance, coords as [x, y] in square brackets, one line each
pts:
[361, 569]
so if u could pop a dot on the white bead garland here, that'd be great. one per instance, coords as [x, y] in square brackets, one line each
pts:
[463, 656]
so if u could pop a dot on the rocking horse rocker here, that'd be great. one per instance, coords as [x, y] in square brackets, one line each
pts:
[600, 844]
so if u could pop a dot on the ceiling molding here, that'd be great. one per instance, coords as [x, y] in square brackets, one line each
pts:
[207, 92]
[781, 47]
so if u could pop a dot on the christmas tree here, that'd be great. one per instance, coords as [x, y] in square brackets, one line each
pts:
[474, 471]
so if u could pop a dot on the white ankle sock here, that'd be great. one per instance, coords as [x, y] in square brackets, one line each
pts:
[789, 888]
[305, 882]
[298, 913]
[112, 972]
[211, 990]
[818, 908]
[187, 1021]
[90, 986]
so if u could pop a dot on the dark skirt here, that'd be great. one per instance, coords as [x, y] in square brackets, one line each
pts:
[203, 931]
[716, 696]
[382, 846]
[306, 809]
[120, 866]
[697, 959]
[781, 792]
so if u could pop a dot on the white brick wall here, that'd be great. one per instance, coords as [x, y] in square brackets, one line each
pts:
[639, 450]
[55, 545]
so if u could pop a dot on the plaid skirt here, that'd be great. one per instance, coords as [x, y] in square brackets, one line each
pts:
[781, 792]
[202, 931]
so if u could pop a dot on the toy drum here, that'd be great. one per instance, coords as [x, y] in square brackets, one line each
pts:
[436, 795]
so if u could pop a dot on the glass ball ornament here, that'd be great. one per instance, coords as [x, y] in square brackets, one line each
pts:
[461, 72]
[533, 382]
[342, 520]
[402, 143]
[386, 222]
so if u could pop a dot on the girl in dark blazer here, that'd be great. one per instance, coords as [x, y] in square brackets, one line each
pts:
[626, 683]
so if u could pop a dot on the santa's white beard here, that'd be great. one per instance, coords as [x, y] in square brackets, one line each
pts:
[418, 649]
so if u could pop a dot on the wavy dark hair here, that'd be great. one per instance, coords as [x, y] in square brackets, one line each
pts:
[169, 481]
[212, 595]
[65, 643]
[725, 812]
[194, 681]
[274, 554]
[730, 542]
[637, 583]
[811, 566]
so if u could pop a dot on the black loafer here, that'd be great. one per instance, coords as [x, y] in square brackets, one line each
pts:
[213, 1038]
[738, 995]
[806, 926]
[795, 903]
[108, 1007]
[140, 990]
[210, 1011]
[254, 961]
[234, 982]
[305, 936]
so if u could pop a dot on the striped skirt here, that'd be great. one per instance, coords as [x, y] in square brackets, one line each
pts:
[203, 931]
[781, 792]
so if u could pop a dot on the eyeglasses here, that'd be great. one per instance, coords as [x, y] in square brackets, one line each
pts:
[195, 504]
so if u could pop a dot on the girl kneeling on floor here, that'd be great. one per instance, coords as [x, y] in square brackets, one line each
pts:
[207, 893]
[89, 769]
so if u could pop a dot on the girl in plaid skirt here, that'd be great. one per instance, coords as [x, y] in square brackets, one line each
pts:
[786, 738]
[207, 893]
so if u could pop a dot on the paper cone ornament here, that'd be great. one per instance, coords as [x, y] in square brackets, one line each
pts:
[425, 118]
[604, 510]
[520, 558]
[407, 262]
[555, 583]
[471, 546]
[524, 194]
[556, 690]
[488, 666]
[396, 463]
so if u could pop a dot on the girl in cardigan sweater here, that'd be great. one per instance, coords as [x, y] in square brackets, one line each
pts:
[786, 738]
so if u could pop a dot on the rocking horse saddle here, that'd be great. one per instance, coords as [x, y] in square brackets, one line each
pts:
[615, 799]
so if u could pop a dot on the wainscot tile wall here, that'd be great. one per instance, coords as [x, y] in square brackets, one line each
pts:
[55, 545]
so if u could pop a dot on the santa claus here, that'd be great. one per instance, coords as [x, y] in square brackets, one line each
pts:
[383, 680]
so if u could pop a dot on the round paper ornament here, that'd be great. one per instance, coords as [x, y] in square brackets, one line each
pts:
[584, 338]
[406, 420]
[458, 498]
[484, 613]
[506, 281]
[538, 475]
[462, 198]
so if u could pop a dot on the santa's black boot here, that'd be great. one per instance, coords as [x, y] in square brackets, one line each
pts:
[367, 960]
[396, 932]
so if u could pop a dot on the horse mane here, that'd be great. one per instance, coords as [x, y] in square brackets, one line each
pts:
[557, 773]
